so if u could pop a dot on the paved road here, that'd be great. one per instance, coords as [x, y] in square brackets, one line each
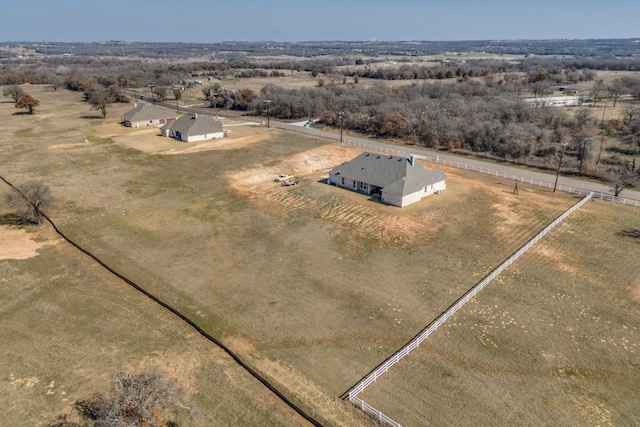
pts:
[499, 167]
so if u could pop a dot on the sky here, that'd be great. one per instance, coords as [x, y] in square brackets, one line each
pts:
[203, 21]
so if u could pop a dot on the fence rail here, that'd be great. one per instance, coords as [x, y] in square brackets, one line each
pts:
[426, 332]
[364, 406]
[531, 181]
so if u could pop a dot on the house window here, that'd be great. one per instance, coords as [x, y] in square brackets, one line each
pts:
[354, 184]
[342, 181]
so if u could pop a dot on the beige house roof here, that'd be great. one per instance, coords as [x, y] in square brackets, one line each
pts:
[146, 112]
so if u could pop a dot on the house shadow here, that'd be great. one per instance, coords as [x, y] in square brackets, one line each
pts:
[632, 233]
[376, 198]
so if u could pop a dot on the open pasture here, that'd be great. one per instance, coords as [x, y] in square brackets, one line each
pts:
[312, 285]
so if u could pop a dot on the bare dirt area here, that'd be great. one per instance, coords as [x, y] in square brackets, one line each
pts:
[360, 212]
[219, 144]
[16, 243]
[150, 141]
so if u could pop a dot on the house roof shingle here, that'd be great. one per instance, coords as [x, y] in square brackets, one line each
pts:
[194, 124]
[146, 112]
[393, 174]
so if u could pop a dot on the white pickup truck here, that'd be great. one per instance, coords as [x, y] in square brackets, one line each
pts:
[283, 177]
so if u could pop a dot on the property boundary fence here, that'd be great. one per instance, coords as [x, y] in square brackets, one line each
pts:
[364, 406]
[514, 177]
[377, 372]
[177, 313]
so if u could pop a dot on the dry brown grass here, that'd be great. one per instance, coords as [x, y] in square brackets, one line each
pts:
[314, 285]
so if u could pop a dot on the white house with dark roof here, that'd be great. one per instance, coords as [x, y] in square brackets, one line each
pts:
[194, 127]
[148, 115]
[400, 181]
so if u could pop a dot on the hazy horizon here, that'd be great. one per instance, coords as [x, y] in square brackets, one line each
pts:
[199, 21]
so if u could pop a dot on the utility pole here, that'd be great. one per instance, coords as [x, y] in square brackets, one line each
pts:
[564, 144]
[341, 116]
[266, 103]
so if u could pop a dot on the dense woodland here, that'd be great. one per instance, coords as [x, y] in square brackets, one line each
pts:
[472, 106]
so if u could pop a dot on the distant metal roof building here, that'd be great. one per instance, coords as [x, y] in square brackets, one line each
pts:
[399, 180]
[555, 101]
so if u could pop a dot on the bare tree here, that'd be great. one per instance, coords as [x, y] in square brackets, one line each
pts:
[55, 82]
[615, 90]
[597, 91]
[100, 98]
[583, 117]
[207, 91]
[541, 88]
[622, 177]
[142, 399]
[162, 92]
[14, 92]
[27, 101]
[630, 111]
[29, 200]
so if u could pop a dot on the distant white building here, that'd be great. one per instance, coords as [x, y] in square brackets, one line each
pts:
[555, 101]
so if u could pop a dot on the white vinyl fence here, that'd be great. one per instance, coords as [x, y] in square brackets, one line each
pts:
[518, 178]
[364, 406]
[424, 334]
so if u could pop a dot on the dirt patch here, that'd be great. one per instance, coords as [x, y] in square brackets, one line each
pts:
[16, 243]
[554, 257]
[331, 204]
[116, 129]
[240, 344]
[596, 413]
[23, 382]
[60, 146]
[216, 144]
